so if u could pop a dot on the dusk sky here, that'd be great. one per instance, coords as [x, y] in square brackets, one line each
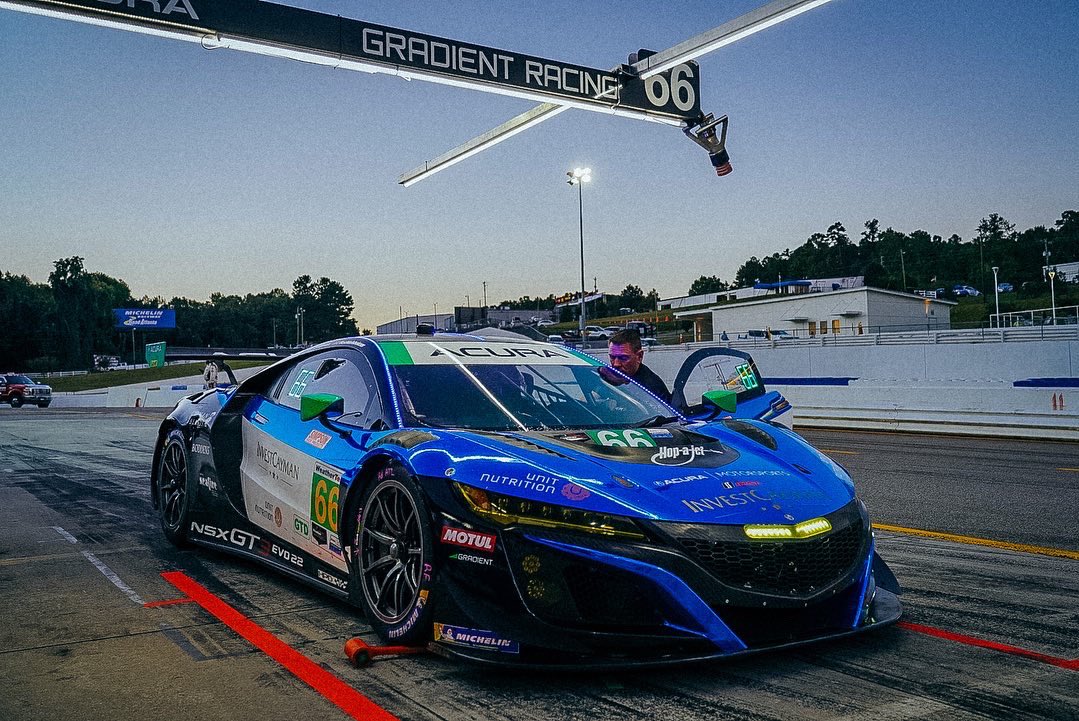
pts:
[186, 171]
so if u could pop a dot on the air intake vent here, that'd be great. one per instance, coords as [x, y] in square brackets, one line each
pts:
[522, 442]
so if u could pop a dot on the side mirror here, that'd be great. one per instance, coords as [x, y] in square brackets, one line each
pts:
[318, 404]
[720, 400]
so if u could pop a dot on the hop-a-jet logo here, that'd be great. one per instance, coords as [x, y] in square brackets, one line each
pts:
[680, 455]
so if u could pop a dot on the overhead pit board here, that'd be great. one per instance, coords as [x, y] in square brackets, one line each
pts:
[258, 26]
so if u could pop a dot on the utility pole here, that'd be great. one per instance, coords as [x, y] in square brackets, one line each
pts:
[903, 265]
[484, 294]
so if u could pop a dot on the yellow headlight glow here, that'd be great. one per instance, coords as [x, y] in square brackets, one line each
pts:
[772, 532]
[509, 510]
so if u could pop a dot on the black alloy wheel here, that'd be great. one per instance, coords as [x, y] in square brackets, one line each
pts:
[392, 552]
[16, 401]
[173, 492]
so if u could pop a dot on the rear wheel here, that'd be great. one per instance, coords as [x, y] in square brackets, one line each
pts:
[392, 553]
[173, 488]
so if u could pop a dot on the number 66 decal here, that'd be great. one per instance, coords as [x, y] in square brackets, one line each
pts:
[679, 88]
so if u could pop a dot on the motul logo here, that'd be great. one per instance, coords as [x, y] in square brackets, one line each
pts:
[468, 539]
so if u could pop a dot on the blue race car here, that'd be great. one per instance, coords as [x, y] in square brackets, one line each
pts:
[501, 500]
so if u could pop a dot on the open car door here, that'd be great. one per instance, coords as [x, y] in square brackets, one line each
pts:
[733, 374]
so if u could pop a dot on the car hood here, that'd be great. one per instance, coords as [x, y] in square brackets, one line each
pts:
[699, 473]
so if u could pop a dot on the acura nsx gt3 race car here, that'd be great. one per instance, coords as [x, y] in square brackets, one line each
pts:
[503, 501]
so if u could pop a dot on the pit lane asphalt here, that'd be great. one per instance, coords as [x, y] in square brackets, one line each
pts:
[76, 645]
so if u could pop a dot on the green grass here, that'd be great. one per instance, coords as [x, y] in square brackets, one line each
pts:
[107, 379]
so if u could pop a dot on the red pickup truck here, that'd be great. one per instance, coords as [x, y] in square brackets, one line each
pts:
[18, 389]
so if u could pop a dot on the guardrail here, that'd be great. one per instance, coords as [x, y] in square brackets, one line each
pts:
[973, 335]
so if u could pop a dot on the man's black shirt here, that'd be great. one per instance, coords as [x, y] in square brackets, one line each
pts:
[652, 382]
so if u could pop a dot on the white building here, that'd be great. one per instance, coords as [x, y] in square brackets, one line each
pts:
[761, 290]
[852, 311]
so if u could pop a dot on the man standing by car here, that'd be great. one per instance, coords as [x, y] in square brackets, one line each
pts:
[209, 375]
[627, 355]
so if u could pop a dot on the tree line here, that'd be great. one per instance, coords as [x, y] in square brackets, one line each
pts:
[918, 260]
[65, 323]
[632, 297]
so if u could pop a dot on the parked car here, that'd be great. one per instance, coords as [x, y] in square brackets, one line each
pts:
[766, 335]
[545, 323]
[645, 329]
[504, 501]
[965, 290]
[18, 389]
[595, 332]
[1004, 288]
[555, 338]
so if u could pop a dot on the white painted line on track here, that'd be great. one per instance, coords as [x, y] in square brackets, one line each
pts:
[105, 570]
[67, 536]
[111, 575]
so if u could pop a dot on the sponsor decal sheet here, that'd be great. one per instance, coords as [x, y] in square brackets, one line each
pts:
[292, 495]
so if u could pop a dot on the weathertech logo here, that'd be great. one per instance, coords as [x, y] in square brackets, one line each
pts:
[468, 539]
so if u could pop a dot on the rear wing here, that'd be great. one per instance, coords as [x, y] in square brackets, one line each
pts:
[221, 356]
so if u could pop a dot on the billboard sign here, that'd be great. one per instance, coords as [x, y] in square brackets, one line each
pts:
[144, 318]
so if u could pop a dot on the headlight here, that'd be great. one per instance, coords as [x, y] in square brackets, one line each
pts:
[507, 510]
[770, 532]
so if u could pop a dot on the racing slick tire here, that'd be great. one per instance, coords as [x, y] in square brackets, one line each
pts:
[16, 401]
[393, 557]
[174, 492]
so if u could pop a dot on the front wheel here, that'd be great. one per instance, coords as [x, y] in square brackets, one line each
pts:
[173, 488]
[393, 553]
[16, 401]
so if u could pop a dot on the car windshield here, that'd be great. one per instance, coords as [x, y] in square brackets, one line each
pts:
[20, 379]
[510, 386]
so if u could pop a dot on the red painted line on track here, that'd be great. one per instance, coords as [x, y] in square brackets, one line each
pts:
[993, 645]
[333, 689]
[171, 602]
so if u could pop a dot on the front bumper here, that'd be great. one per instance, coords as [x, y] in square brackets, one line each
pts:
[575, 602]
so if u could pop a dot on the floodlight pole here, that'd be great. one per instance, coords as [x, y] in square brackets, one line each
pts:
[580, 221]
[578, 177]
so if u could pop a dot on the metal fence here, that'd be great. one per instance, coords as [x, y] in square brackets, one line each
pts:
[1066, 315]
